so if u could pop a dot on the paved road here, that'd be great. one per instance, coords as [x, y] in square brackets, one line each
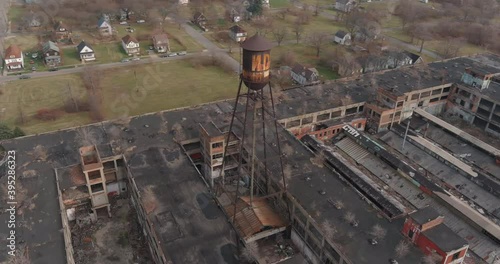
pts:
[100, 66]
[210, 46]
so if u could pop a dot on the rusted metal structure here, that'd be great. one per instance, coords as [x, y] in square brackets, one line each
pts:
[260, 181]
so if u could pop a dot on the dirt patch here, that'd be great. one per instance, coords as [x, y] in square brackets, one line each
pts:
[109, 240]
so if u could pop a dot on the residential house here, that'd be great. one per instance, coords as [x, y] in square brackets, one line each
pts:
[33, 21]
[237, 33]
[303, 75]
[200, 20]
[345, 5]
[183, 2]
[130, 45]
[415, 58]
[161, 43]
[14, 59]
[342, 38]
[61, 32]
[104, 27]
[426, 229]
[51, 54]
[235, 16]
[386, 60]
[85, 51]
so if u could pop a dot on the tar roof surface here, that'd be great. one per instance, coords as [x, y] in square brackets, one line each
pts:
[445, 238]
[190, 226]
[424, 215]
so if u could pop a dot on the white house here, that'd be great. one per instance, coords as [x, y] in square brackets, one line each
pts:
[85, 51]
[14, 59]
[237, 33]
[235, 16]
[303, 75]
[183, 2]
[342, 38]
[104, 27]
[130, 45]
[345, 5]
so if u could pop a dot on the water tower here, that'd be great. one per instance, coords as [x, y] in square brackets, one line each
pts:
[259, 177]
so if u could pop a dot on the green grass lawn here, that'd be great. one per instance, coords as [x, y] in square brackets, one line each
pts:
[70, 56]
[109, 52]
[158, 87]
[26, 42]
[279, 3]
[16, 12]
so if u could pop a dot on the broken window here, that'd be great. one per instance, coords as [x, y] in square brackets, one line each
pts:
[414, 96]
[217, 156]
[217, 145]
[97, 188]
[323, 117]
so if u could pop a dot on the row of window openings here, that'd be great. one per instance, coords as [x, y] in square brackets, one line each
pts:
[335, 131]
[429, 93]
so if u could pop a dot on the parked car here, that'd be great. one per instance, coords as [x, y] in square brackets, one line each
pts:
[53, 69]
[182, 53]
[34, 55]
[140, 21]
[172, 54]
[23, 77]
[123, 23]
[125, 60]
[136, 58]
[163, 56]
[33, 68]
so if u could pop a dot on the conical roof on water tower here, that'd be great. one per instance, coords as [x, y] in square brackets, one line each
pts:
[256, 62]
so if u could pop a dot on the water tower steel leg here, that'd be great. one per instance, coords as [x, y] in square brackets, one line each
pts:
[279, 146]
[230, 129]
[265, 143]
[241, 154]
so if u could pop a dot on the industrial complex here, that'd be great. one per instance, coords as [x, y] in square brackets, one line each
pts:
[371, 169]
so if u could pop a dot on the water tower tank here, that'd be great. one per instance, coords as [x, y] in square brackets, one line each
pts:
[256, 62]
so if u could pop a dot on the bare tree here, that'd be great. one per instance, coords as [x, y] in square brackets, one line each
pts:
[450, 48]
[402, 248]
[297, 29]
[317, 8]
[279, 33]
[287, 58]
[317, 40]
[329, 231]
[349, 217]
[378, 232]
[406, 11]
[338, 204]
[92, 82]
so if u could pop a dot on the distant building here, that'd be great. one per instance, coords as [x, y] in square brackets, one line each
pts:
[104, 27]
[61, 32]
[51, 54]
[14, 59]
[345, 5]
[130, 45]
[200, 20]
[425, 228]
[85, 51]
[183, 2]
[161, 43]
[303, 75]
[235, 16]
[237, 33]
[342, 38]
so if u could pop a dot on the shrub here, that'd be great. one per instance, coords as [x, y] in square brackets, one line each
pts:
[48, 114]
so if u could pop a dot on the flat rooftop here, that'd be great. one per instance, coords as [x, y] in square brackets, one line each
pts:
[424, 215]
[445, 238]
[189, 224]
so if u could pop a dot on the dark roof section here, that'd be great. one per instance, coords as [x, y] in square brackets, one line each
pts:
[83, 45]
[445, 238]
[187, 221]
[237, 29]
[160, 38]
[424, 215]
[257, 43]
[101, 21]
[340, 34]
[127, 39]
[198, 15]
[59, 25]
